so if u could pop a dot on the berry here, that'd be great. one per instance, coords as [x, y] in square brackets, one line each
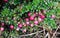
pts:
[2, 29]
[2, 24]
[40, 20]
[39, 13]
[17, 28]
[36, 22]
[11, 27]
[27, 19]
[20, 25]
[24, 24]
[29, 14]
[24, 30]
[42, 16]
[27, 23]
[53, 16]
[35, 14]
[31, 25]
[31, 18]
[5, 0]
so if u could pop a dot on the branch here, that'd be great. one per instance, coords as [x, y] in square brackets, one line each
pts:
[30, 34]
[55, 31]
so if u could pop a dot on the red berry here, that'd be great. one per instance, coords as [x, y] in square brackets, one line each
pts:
[5, 0]
[29, 14]
[27, 19]
[2, 29]
[20, 25]
[35, 14]
[42, 16]
[11, 27]
[31, 18]
[40, 20]
[2, 24]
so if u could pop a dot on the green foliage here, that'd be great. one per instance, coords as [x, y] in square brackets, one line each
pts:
[5, 12]
[18, 8]
[50, 22]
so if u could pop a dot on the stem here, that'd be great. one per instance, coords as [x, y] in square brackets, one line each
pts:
[31, 34]
[55, 31]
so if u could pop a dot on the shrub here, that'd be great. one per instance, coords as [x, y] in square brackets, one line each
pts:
[19, 17]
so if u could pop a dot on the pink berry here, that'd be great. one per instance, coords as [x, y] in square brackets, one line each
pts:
[24, 24]
[42, 16]
[35, 14]
[11, 27]
[29, 14]
[2, 24]
[27, 23]
[40, 20]
[39, 13]
[17, 28]
[31, 18]
[36, 22]
[5, 0]
[27, 19]
[31, 25]
[20, 25]
[24, 30]
[2, 29]
[53, 16]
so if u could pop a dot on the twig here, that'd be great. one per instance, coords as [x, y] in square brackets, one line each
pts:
[44, 32]
[49, 35]
[46, 35]
[55, 31]
[30, 34]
